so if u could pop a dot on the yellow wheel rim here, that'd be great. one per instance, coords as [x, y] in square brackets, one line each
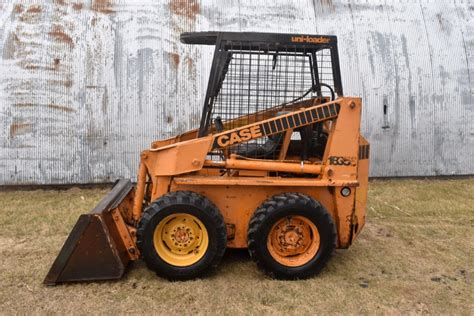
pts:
[181, 239]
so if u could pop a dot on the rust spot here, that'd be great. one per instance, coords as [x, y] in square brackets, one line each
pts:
[31, 66]
[56, 63]
[22, 105]
[60, 2]
[17, 128]
[191, 68]
[18, 8]
[104, 6]
[58, 34]
[32, 14]
[51, 106]
[77, 6]
[34, 9]
[66, 83]
[187, 8]
[190, 63]
[61, 108]
[175, 59]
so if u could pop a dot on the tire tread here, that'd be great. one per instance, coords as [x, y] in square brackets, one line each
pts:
[272, 205]
[189, 198]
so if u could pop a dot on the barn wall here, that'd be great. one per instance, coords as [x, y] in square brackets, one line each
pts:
[85, 86]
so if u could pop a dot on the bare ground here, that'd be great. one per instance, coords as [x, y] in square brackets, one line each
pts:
[415, 255]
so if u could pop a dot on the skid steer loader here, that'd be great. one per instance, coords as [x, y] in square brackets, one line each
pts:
[277, 166]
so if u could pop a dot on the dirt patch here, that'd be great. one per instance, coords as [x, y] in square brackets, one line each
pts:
[401, 264]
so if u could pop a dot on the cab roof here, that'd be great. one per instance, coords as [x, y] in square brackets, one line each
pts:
[254, 39]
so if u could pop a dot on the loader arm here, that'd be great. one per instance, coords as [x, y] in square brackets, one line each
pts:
[307, 116]
[190, 156]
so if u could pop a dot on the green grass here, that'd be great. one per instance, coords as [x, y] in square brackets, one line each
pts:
[415, 255]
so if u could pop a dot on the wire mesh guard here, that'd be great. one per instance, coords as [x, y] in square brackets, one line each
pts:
[258, 84]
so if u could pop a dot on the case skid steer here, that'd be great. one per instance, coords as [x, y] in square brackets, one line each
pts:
[277, 166]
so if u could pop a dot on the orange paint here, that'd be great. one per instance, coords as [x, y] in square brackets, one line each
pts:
[180, 163]
[293, 241]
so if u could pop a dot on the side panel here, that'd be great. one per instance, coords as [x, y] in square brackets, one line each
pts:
[361, 191]
[238, 203]
[342, 147]
[179, 158]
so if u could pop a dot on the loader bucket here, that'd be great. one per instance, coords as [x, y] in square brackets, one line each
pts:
[100, 245]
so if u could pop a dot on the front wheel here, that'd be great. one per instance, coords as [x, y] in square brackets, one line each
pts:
[182, 235]
[291, 236]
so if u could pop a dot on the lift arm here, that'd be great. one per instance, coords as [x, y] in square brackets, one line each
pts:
[307, 116]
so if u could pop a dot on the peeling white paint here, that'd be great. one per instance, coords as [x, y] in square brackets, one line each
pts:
[85, 86]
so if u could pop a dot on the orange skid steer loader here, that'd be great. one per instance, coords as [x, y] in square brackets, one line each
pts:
[277, 166]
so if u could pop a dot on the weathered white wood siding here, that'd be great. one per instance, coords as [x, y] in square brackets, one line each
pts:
[86, 85]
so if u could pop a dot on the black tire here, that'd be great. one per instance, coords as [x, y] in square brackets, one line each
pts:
[189, 203]
[284, 206]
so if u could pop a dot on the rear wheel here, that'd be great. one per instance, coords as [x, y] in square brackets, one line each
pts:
[181, 235]
[291, 236]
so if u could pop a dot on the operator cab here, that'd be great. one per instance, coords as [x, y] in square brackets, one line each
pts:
[257, 76]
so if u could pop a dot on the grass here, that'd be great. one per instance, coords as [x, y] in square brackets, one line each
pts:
[415, 255]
